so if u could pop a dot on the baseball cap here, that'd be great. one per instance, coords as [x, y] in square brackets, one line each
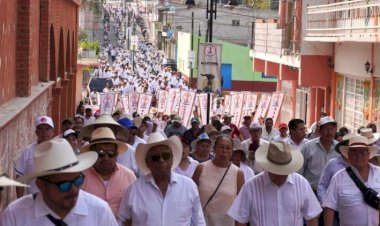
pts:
[177, 119]
[69, 132]
[326, 120]
[195, 120]
[227, 115]
[283, 125]
[224, 128]
[44, 120]
[255, 126]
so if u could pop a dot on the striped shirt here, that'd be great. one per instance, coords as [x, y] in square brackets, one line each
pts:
[262, 203]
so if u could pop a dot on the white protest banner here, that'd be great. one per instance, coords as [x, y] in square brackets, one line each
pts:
[133, 101]
[144, 104]
[177, 101]
[262, 109]
[125, 100]
[275, 105]
[186, 106]
[162, 100]
[250, 100]
[107, 102]
[236, 107]
[227, 104]
[209, 64]
[202, 98]
[119, 104]
[170, 100]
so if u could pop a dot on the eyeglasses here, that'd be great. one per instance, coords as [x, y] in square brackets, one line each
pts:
[65, 186]
[110, 153]
[165, 156]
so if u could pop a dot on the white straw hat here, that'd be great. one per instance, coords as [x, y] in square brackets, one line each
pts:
[104, 135]
[358, 142]
[277, 158]
[104, 120]
[371, 136]
[155, 139]
[56, 156]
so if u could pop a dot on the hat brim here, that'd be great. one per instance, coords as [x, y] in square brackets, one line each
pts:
[121, 146]
[293, 166]
[5, 181]
[373, 139]
[344, 150]
[174, 143]
[85, 161]
[87, 130]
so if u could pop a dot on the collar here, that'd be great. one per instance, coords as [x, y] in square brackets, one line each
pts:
[267, 179]
[318, 141]
[173, 179]
[41, 209]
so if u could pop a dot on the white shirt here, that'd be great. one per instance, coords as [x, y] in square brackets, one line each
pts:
[262, 203]
[269, 136]
[252, 163]
[145, 205]
[344, 196]
[128, 159]
[279, 138]
[247, 171]
[25, 165]
[88, 121]
[294, 146]
[190, 169]
[88, 210]
[138, 141]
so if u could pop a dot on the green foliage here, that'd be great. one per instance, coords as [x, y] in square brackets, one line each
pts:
[82, 35]
[258, 4]
[84, 44]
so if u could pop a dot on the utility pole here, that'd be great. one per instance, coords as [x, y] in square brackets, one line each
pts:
[210, 15]
[192, 48]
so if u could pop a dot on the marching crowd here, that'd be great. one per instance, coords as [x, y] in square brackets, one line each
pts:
[152, 170]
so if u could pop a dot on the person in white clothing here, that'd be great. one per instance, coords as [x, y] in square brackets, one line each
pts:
[187, 165]
[161, 197]
[239, 158]
[283, 129]
[250, 146]
[268, 131]
[297, 133]
[25, 164]
[344, 196]
[278, 196]
[60, 200]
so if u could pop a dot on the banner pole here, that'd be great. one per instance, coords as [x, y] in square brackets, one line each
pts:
[208, 108]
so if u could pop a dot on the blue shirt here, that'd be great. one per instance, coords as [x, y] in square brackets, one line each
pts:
[333, 166]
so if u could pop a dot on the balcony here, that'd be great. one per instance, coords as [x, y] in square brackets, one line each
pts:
[356, 20]
[273, 44]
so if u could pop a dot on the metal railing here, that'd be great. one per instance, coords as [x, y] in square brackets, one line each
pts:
[357, 18]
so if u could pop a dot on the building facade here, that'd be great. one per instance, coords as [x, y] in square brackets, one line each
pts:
[38, 53]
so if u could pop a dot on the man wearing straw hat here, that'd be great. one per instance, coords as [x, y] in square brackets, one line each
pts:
[277, 196]
[343, 193]
[161, 197]
[107, 179]
[58, 173]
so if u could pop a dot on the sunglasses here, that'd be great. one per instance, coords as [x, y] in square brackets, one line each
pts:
[65, 186]
[165, 156]
[103, 153]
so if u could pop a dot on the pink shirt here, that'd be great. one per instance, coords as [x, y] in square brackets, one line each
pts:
[116, 186]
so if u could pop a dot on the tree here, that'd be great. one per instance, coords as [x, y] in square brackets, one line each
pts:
[258, 4]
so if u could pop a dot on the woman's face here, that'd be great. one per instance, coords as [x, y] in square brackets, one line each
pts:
[186, 151]
[223, 149]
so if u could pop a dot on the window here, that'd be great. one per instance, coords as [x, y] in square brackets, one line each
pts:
[354, 104]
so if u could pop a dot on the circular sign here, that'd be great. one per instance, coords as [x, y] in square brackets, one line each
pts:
[210, 50]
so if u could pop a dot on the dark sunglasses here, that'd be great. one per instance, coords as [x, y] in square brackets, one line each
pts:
[103, 153]
[165, 156]
[65, 186]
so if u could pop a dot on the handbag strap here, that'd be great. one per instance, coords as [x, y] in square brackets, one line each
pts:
[220, 182]
[356, 180]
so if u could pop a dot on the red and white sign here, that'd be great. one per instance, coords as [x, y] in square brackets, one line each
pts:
[144, 104]
[262, 109]
[275, 105]
[162, 100]
[186, 106]
[107, 102]
[133, 102]
[236, 107]
[170, 100]
[126, 104]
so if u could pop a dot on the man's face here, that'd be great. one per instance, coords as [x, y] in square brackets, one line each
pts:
[88, 113]
[236, 157]
[204, 147]
[255, 134]
[195, 125]
[268, 124]
[44, 132]
[53, 197]
[328, 131]
[66, 125]
[176, 124]
[283, 131]
[227, 120]
[358, 157]
[299, 132]
[247, 121]
[107, 155]
[73, 140]
[78, 121]
[159, 159]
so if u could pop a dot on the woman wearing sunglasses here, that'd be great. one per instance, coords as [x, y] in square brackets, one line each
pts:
[219, 182]
[60, 201]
